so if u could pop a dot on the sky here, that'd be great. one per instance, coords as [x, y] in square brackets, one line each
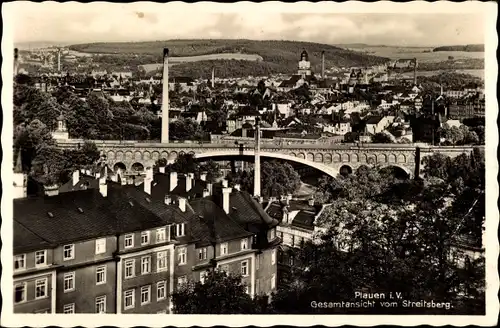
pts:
[101, 22]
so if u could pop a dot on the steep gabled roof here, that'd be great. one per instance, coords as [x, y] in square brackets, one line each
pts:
[245, 210]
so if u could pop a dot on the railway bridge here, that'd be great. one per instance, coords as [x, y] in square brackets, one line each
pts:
[133, 156]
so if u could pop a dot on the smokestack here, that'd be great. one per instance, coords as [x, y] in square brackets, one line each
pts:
[226, 192]
[256, 190]
[165, 101]
[189, 181]
[182, 204]
[173, 180]
[415, 72]
[213, 77]
[59, 61]
[16, 61]
[323, 65]
[76, 177]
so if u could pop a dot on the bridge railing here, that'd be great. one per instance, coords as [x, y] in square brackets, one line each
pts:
[266, 145]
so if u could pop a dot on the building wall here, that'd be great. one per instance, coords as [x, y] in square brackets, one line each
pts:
[265, 271]
[31, 304]
[84, 252]
[86, 289]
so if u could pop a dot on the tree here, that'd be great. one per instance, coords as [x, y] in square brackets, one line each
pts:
[185, 129]
[277, 179]
[212, 169]
[219, 294]
[381, 138]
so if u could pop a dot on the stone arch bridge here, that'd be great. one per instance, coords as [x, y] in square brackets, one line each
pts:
[135, 156]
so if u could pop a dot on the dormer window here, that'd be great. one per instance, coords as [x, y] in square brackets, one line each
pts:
[180, 229]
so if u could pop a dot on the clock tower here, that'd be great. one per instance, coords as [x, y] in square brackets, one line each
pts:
[304, 65]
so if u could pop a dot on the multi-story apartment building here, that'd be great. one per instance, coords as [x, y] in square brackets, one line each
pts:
[253, 249]
[121, 248]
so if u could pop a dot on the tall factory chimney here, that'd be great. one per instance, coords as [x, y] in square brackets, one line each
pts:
[165, 101]
[415, 71]
[323, 65]
[256, 183]
[59, 60]
[213, 77]
[16, 61]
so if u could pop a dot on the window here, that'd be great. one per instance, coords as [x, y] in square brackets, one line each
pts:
[223, 249]
[273, 281]
[273, 257]
[20, 262]
[41, 288]
[180, 229]
[129, 241]
[20, 293]
[161, 235]
[129, 268]
[244, 244]
[41, 258]
[68, 252]
[257, 262]
[161, 290]
[203, 276]
[144, 237]
[161, 261]
[145, 264]
[293, 240]
[281, 235]
[69, 308]
[69, 282]
[100, 246]
[100, 304]
[202, 253]
[181, 281]
[244, 268]
[129, 299]
[145, 295]
[182, 256]
[100, 275]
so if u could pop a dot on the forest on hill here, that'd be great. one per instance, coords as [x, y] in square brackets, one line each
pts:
[468, 48]
[278, 56]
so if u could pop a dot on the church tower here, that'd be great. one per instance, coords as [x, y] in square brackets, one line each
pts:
[20, 178]
[304, 65]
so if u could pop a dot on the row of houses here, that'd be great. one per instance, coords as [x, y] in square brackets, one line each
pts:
[101, 244]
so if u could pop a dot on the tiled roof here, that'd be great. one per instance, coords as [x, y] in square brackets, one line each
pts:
[245, 210]
[161, 187]
[213, 224]
[25, 240]
[85, 182]
[58, 219]
[373, 120]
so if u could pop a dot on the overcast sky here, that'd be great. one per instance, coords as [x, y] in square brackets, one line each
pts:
[80, 23]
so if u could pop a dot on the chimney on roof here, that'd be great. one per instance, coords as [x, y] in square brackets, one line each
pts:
[237, 187]
[51, 190]
[168, 200]
[288, 199]
[206, 192]
[162, 169]
[76, 177]
[224, 183]
[173, 180]
[98, 175]
[103, 187]
[189, 181]
[203, 176]
[182, 204]
[226, 192]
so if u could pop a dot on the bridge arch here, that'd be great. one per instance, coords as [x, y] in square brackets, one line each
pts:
[119, 166]
[137, 167]
[319, 166]
[398, 169]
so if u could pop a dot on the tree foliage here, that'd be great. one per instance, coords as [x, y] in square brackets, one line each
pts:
[277, 179]
[219, 294]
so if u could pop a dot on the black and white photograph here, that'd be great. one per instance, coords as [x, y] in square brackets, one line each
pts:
[249, 159]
